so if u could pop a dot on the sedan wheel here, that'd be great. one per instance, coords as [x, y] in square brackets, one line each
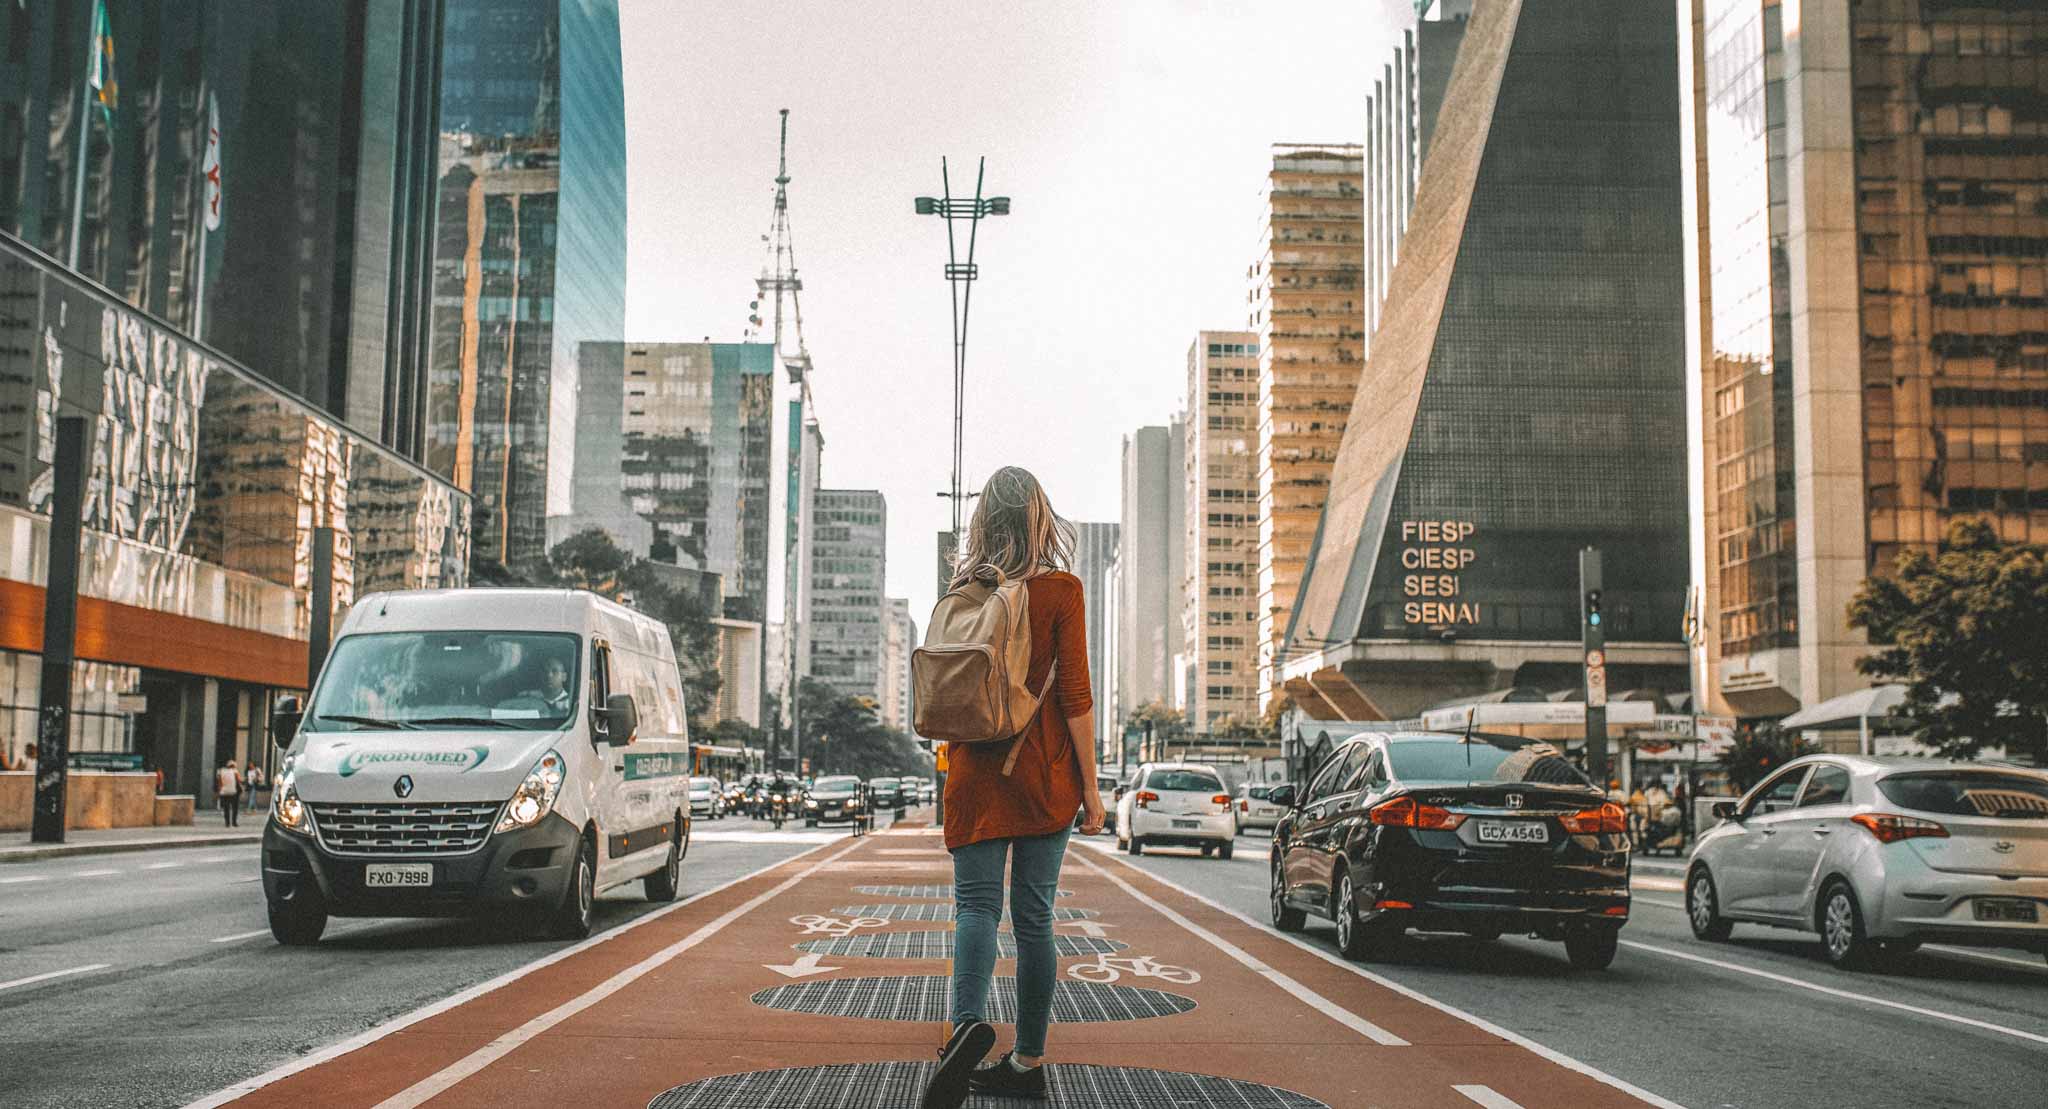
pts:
[1841, 927]
[1286, 917]
[1703, 908]
[1355, 938]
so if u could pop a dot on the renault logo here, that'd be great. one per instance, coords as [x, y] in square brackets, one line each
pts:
[1514, 800]
[403, 786]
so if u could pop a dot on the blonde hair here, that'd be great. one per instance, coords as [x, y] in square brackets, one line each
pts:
[1014, 532]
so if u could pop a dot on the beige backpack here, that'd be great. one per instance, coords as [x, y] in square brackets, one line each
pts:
[968, 678]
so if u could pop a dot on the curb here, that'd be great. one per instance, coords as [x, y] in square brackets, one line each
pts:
[64, 850]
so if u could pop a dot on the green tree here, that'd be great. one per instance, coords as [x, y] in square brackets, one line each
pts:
[842, 735]
[1760, 750]
[1966, 630]
[590, 560]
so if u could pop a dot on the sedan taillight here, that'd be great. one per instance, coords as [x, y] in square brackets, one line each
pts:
[1146, 797]
[1891, 829]
[1405, 812]
[1590, 822]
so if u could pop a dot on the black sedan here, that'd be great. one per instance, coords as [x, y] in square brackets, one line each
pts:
[1483, 835]
[832, 799]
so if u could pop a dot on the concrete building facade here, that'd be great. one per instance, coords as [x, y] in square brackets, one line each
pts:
[1219, 580]
[1307, 306]
[1095, 557]
[1866, 305]
[845, 617]
[1400, 116]
[1150, 563]
[899, 638]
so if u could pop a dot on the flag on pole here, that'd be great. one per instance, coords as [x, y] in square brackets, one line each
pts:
[100, 72]
[210, 165]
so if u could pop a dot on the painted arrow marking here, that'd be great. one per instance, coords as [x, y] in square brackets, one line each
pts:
[1089, 928]
[808, 965]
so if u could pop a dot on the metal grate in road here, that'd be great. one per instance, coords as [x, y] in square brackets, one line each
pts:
[893, 1085]
[939, 945]
[945, 892]
[929, 998]
[940, 912]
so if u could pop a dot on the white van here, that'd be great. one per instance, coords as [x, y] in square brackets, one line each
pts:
[472, 751]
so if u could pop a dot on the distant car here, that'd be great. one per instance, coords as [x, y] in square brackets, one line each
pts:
[1255, 807]
[1479, 834]
[833, 798]
[734, 794]
[1176, 804]
[888, 792]
[707, 798]
[1106, 785]
[926, 791]
[1878, 855]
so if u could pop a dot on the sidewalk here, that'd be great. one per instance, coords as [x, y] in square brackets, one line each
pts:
[208, 830]
[821, 983]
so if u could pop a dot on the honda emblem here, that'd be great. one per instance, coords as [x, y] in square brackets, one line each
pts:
[403, 786]
[1514, 800]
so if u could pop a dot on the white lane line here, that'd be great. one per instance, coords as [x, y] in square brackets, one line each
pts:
[92, 873]
[400, 1023]
[1846, 995]
[163, 866]
[1294, 988]
[1488, 1096]
[24, 878]
[2035, 965]
[239, 936]
[34, 978]
[1481, 1023]
[440, 1082]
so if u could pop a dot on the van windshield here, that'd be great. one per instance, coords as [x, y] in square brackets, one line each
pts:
[448, 681]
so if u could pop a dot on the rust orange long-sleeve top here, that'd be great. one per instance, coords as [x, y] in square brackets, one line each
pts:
[1043, 791]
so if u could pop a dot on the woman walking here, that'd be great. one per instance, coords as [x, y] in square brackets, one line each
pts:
[1021, 818]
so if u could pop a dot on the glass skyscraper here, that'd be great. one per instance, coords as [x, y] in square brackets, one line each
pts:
[531, 253]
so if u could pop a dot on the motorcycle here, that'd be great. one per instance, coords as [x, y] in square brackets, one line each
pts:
[778, 811]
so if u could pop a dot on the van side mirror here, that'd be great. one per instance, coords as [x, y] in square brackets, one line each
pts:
[1725, 810]
[1282, 796]
[285, 717]
[621, 719]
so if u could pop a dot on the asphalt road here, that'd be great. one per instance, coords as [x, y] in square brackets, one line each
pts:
[1760, 1021]
[150, 978]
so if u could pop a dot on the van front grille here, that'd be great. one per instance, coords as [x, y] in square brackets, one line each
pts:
[449, 828]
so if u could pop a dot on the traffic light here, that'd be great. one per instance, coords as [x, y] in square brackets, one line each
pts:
[1593, 607]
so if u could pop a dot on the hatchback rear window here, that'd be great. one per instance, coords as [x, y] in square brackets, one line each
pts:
[1259, 793]
[1184, 781]
[1484, 759]
[1969, 793]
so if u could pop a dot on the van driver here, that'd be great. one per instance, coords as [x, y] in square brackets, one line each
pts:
[554, 690]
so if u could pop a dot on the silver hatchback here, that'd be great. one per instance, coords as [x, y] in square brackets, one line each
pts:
[1880, 854]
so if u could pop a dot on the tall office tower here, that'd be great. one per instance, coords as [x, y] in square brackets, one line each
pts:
[674, 458]
[1308, 311]
[1150, 562]
[1095, 549]
[1220, 549]
[1400, 116]
[899, 638]
[530, 256]
[845, 618]
[1526, 394]
[254, 175]
[1866, 287]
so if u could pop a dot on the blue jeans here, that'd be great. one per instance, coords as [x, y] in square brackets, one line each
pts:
[978, 909]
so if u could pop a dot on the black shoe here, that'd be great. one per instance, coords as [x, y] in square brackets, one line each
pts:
[969, 1044]
[1003, 1080]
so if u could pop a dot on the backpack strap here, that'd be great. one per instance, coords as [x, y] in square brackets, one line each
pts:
[1017, 741]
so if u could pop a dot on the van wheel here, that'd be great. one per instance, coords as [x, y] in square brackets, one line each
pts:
[571, 919]
[299, 920]
[683, 850]
[661, 886]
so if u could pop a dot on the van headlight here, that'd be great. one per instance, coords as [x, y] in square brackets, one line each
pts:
[285, 806]
[535, 796]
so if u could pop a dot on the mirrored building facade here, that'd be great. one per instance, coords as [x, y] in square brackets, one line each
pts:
[530, 253]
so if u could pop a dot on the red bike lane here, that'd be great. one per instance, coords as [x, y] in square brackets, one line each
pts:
[821, 983]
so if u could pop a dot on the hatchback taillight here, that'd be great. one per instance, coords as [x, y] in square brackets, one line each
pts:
[1592, 822]
[1406, 812]
[1222, 799]
[1889, 828]
[1146, 797]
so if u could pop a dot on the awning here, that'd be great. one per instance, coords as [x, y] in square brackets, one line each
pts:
[1540, 712]
[1848, 712]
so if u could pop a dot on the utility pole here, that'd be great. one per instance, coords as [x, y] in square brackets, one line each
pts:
[60, 631]
[960, 277]
[1594, 638]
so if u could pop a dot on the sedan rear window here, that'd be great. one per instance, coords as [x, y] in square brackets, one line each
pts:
[1259, 793]
[1184, 781]
[1484, 759]
[1969, 793]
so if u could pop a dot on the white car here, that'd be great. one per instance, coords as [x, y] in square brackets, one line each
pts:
[707, 798]
[1254, 809]
[1878, 855]
[1176, 804]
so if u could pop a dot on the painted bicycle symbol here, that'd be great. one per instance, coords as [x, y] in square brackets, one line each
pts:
[835, 926]
[1109, 968]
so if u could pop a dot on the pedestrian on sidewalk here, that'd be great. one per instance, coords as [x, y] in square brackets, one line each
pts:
[255, 782]
[1021, 817]
[227, 787]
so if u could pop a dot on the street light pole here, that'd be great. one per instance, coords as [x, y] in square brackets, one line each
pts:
[960, 277]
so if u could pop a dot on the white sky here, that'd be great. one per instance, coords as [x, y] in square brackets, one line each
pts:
[1132, 134]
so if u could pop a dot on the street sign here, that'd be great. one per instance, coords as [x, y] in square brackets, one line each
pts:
[1596, 660]
[1596, 687]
